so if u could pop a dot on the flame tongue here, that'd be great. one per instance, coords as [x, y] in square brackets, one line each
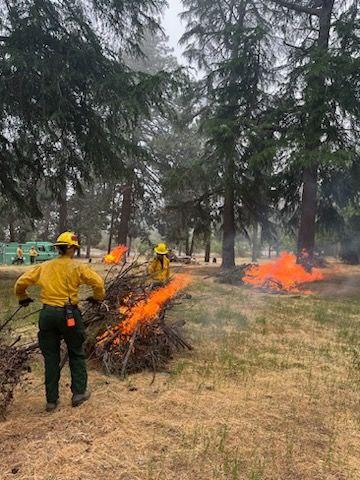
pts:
[284, 274]
[115, 256]
[146, 311]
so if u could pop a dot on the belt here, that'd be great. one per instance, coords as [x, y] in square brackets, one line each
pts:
[58, 309]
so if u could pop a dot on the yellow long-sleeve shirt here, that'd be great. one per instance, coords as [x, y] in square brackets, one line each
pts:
[159, 272]
[59, 280]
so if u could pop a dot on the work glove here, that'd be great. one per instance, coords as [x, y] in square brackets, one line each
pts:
[26, 302]
[93, 301]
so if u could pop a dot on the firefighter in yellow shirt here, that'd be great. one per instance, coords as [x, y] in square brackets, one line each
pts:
[19, 254]
[33, 254]
[59, 280]
[159, 267]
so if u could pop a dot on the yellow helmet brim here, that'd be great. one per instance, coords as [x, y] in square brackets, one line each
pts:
[161, 252]
[64, 244]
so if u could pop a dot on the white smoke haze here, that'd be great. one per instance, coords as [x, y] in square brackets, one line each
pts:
[174, 28]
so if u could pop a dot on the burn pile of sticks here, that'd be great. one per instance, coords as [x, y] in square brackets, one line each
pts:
[282, 275]
[128, 332]
[14, 361]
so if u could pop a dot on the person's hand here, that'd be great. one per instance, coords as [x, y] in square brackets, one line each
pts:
[93, 301]
[26, 302]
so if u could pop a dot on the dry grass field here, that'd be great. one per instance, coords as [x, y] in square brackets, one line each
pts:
[270, 392]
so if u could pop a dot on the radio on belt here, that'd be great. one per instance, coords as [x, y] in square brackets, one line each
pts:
[69, 315]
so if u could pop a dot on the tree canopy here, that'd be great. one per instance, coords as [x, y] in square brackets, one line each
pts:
[262, 147]
[67, 99]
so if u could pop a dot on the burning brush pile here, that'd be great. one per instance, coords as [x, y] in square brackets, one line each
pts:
[283, 275]
[128, 332]
[133, 333]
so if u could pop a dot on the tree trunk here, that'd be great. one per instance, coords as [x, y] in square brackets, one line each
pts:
[229, 230]
[88, 247]
[254, 244]
[187, 245]
[192, 244]
[129, 246]
[316, 106]
[12, 232]
[306, 238]
[123, 230]
[180, 249]
[207, 246]
[111, 230]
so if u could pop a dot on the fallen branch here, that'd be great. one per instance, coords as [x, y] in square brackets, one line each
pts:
[128, 353]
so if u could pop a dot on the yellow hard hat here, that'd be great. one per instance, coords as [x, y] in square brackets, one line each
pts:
[67, 238]
[161, 249]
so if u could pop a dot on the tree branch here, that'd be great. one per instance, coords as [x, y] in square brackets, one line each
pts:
[297, 47]
[297, 8]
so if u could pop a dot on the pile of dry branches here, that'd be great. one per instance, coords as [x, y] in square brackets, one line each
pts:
[150, 342]
[13, 362]
[149, 347]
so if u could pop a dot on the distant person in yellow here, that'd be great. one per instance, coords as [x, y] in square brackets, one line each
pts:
[59, 280]
[19, 254]
[159, 267]
[33, 254]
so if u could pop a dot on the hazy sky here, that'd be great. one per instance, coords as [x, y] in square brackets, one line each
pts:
[173, 26]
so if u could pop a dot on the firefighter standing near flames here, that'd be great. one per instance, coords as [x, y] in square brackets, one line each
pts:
[159, 267]
[59, 280]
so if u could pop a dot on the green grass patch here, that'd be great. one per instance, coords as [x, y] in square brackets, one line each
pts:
[9, 303]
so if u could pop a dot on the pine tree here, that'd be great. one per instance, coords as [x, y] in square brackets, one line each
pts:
[187, 184]
[320, 100]
[66, 95]
[229, 41]
[138, 181]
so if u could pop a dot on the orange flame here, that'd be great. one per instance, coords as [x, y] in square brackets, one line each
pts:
[284, 274]
[115, 256]
[146, 311]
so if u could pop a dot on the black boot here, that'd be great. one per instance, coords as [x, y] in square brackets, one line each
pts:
[80, 398]
[51, 406]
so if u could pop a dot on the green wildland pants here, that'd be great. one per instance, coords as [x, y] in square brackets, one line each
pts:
[52, 328]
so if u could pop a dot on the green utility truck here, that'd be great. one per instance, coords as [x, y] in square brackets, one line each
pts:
[8, 255]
